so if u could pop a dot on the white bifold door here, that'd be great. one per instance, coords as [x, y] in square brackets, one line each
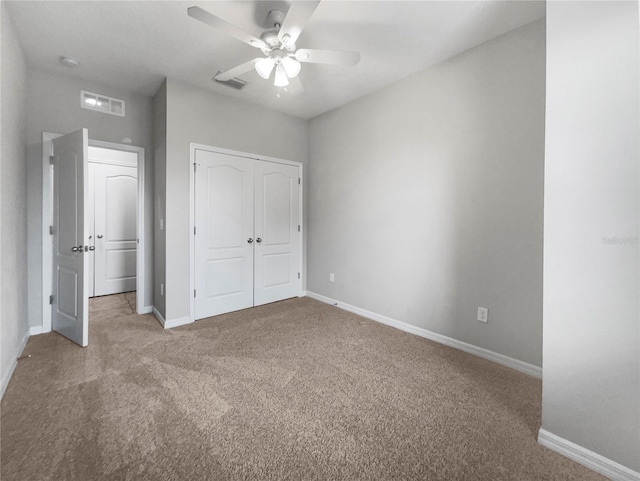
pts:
[70, 312]
[247, 237]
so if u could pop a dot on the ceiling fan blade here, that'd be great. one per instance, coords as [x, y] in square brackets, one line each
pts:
[297, 17]
[333, 57]
[228, 28]
[234, 72]
[295, 86]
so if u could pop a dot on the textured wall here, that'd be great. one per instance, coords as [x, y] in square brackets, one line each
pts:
[591, 382]
[426, 197]
[14, 326]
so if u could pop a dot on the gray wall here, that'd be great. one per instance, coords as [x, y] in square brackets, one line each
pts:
[14, 325]
[426, 197]
[195, 115]
[160, 192]
[53, 105]
[591, 383]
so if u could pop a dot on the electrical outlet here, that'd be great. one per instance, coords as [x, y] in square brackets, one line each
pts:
[331, 277]
[483, 314]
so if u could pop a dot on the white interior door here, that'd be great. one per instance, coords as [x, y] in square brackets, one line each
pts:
[224, 233]
[278, 239]
[70, 314]
[91, 209]
[116, 206]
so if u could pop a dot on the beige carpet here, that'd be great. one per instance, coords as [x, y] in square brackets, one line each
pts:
[296, 390]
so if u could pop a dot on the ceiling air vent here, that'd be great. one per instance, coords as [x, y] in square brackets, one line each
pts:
[234, 83]
[101, 103]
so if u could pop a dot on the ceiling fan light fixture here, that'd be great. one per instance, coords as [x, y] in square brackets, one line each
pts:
[264, 67]
[291, 67]
[281, 79]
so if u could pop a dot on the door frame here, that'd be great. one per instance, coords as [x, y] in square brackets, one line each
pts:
[219, 150]
[47, 219]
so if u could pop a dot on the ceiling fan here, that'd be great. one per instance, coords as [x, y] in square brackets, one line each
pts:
[278, 46]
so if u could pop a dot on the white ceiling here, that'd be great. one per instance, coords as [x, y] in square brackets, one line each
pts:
[136, 44]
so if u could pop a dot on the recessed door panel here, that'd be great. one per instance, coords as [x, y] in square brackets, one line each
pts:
[225, 277]
[224, 233]
[277, 270]
[70, 312]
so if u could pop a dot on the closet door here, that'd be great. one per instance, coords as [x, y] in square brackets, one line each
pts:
[224, 237]
[278, 240]
[116, 200]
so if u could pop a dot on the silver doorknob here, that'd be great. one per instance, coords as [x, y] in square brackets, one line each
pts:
[99, 236]
[92, 248]
[250, 240]
[75, 249]
[258, 240]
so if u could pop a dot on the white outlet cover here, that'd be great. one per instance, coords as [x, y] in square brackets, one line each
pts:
[483, 314]
[331, 277]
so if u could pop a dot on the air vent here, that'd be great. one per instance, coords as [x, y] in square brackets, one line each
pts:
[234, 83]
[101, 103]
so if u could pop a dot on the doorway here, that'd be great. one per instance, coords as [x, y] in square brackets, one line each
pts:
[113, 186]
[120, 269]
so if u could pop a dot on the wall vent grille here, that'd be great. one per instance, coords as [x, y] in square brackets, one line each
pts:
[101, 103]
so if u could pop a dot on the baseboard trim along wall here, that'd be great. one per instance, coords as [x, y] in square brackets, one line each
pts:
[6, 377]
[181, 321]
[516, 364]
[591, 460]
[36, 330]
[147, 310]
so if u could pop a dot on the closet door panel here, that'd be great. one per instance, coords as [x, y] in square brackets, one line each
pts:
[224, 188]
[278, 242]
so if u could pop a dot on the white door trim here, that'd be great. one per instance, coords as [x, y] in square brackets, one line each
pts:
[47, 219]
[192, 155]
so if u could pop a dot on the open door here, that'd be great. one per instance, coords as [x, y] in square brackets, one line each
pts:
[70, 311]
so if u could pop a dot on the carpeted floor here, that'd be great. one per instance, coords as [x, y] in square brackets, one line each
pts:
[296, 390]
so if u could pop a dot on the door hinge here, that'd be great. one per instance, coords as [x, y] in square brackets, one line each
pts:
[298, 275]
[51, 158]
[194, 293]
[50, 230]
[298, 227]
[194, 230]
[298, 180]
[51, 299]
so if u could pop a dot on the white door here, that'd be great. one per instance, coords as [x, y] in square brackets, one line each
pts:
[278, 239]
[116, 207]
[224, 233]
[70, 313]
[91, 209]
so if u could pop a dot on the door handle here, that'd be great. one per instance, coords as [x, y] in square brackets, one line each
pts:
[258, 240]
[99, 236]
[77, 248]
[92, 248]
[250, 240]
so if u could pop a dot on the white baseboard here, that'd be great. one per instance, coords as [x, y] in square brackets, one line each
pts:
[510, 362]
[146, 310]
[159, 317]
[35, 330]
[593, 461]
[6, 376]
[181, 321]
